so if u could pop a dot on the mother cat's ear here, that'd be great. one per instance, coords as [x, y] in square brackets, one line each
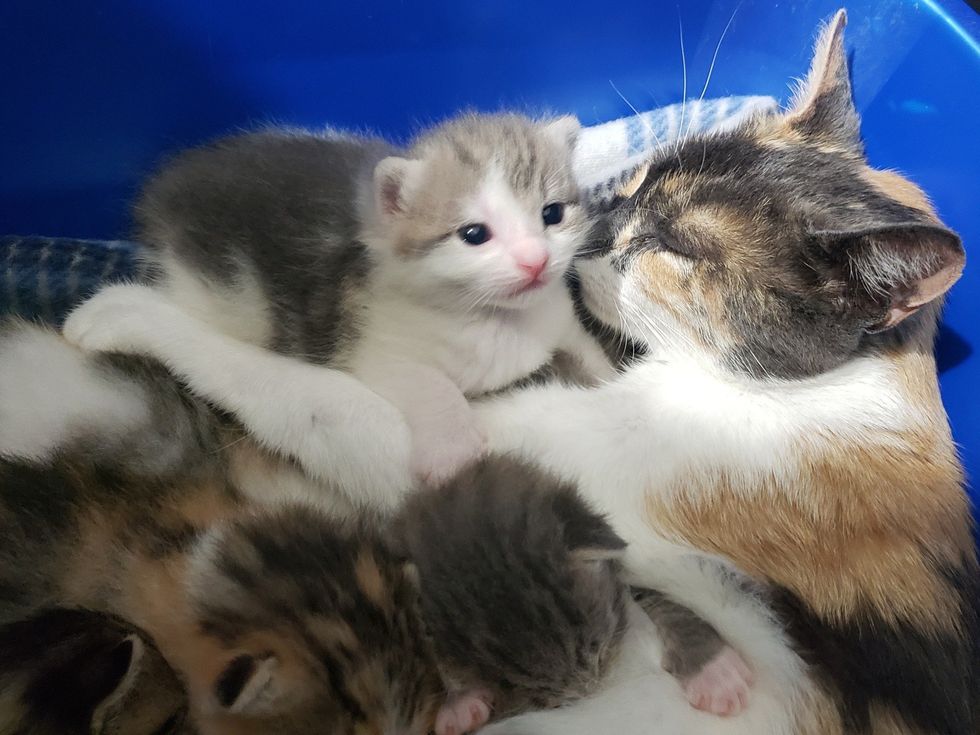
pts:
[823, 106]
[894, 269]
[394, 180]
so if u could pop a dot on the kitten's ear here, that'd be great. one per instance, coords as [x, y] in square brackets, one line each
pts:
[64, 655]
[898, 267]
[120, 667]
[588, 535]
[823, 106]
[249, 685]
[563, 131]
[394, 179]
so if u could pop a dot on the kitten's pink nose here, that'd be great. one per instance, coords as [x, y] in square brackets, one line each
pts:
[533, 266]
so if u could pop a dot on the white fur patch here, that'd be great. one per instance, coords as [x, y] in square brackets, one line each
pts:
[239, 312]
[50, 392]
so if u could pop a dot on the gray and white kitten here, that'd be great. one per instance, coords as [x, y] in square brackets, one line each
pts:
[430, 274]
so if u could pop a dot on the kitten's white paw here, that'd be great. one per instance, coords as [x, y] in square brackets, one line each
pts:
[116, 319]
[438, 455]
[343, 434]
[463, 712]
[376, 458]
[722, 686]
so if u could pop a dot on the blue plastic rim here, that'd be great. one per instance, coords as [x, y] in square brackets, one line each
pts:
[93, 94]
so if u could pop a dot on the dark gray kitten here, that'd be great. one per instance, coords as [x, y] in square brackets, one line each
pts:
[520, 589]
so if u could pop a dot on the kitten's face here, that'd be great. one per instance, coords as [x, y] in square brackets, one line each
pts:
[774, 249]
[487, 211]
[311, 629]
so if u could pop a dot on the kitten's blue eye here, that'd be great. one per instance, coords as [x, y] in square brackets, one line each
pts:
[553, 213]
[474, 234]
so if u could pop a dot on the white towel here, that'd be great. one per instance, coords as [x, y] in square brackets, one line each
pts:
[607, 154]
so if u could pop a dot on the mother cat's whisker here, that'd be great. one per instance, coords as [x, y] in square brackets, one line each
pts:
[638, 115]
[680, 126]
[714, 58]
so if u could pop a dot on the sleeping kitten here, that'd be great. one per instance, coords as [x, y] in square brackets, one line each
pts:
[277, 620]
[78, 672]
[280, 618]
[429, 274]
[520, 590]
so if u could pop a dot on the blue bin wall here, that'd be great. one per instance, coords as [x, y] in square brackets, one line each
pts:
[93, 94]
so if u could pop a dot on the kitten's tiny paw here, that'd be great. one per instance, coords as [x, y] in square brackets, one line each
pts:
[722, 686]
[463, 712]
[114, 320]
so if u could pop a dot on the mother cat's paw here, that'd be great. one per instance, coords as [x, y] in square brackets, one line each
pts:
[117, 319]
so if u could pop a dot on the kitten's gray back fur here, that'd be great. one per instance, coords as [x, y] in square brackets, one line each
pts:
[277, 208]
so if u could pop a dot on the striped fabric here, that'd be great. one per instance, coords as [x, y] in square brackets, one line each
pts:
[43, 278]
[608, 154]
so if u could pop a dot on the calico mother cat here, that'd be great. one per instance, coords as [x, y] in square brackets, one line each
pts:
[780, 460]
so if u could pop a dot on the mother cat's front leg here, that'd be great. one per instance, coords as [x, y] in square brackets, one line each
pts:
[621, 452]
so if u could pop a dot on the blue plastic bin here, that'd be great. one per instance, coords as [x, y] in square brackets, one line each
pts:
[92, 94]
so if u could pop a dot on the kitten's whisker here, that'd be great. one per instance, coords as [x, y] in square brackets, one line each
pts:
[230, 444]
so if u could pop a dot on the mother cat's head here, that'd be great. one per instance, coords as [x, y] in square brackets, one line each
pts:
[774, 250]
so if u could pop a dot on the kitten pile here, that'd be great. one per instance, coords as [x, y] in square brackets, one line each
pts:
[267, 535]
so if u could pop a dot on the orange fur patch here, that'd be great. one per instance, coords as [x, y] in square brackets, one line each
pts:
[817, 714]
[369, 579]
[858, 528]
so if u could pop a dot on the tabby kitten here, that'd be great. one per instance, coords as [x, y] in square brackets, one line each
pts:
[280, 617]
[521, 591]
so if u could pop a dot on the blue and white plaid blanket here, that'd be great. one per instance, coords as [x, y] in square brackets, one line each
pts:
[43, 278]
